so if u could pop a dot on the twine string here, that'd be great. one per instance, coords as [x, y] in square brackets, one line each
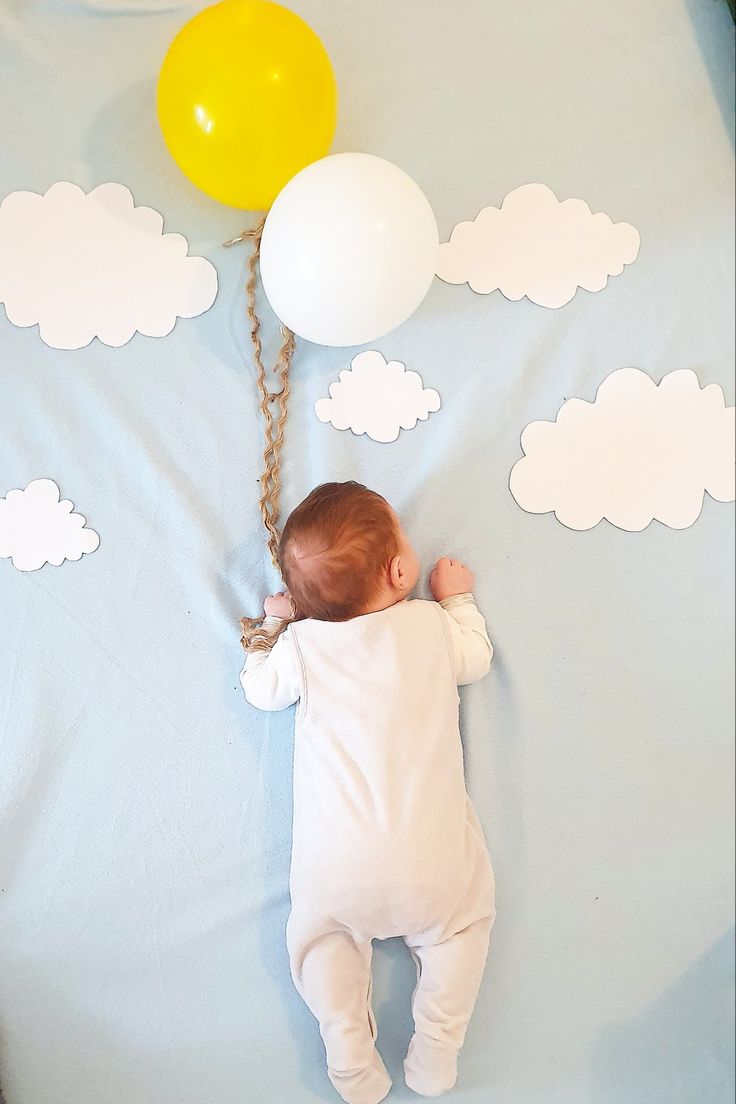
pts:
[273, 406]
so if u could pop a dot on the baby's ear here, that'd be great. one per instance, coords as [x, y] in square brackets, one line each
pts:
[397, 574]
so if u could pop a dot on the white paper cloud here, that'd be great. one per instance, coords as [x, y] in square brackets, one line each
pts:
[85, 266]
[537, 247]
[377, 397]
[638, 452]
[36, 528]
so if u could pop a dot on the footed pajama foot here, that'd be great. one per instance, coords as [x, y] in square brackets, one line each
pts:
[362, 1086]
[430, 1067]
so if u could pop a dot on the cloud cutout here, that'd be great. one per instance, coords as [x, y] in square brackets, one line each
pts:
[36, 528]
[377, 397]
[538, 247]
[640, 451]
[95, 265]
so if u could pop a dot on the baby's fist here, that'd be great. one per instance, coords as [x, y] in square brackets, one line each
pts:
[450, 577]
[279, 605]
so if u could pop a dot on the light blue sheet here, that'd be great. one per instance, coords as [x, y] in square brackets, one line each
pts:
[145, 809]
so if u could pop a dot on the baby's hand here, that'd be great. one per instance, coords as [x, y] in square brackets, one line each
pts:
[450, 577]
[279, 605]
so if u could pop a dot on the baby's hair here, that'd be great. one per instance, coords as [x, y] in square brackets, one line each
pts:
[334, 549]
[332, 553]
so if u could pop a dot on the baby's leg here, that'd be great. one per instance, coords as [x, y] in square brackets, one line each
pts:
[332, 972]
[450, 973]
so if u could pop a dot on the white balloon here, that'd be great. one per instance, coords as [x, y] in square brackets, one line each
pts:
[349, 250]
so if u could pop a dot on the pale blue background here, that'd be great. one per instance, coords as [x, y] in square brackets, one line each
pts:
[145, 816]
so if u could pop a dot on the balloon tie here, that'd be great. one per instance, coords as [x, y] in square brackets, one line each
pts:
[255, 232]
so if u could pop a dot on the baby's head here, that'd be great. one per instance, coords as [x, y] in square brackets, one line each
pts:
[343, 553]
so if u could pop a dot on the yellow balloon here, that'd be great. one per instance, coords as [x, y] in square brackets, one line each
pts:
[246, 99]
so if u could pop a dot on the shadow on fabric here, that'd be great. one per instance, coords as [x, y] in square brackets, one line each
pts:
[680, 1049]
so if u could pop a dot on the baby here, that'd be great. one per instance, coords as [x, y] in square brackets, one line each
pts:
[386, 842]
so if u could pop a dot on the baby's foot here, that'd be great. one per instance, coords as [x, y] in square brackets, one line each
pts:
[430, 1067]
[362, 1086]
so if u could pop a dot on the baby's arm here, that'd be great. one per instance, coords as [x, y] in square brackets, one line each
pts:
[273, 679]
[471, 651]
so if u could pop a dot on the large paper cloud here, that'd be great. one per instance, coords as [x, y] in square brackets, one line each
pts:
[85, 266]
[537, 247]
[377, 397]
[36, 528]
[638, 452]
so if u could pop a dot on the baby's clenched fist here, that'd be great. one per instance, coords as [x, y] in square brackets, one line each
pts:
[450, 577]
[279, 605]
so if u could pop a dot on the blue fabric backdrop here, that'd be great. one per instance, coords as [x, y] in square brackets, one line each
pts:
[145, 809]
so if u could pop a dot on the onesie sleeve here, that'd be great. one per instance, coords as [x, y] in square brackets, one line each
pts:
[470, 649]
[273, 679]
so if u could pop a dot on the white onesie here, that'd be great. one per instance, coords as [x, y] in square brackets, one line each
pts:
[385, 842]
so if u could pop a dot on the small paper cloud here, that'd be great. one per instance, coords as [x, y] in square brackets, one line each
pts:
[640, 451]
[36, 528]
[537, 247]
[377, 397]
[85, 266]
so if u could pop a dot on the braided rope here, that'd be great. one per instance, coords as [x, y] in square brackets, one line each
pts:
[270, 481]
[254, 638]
